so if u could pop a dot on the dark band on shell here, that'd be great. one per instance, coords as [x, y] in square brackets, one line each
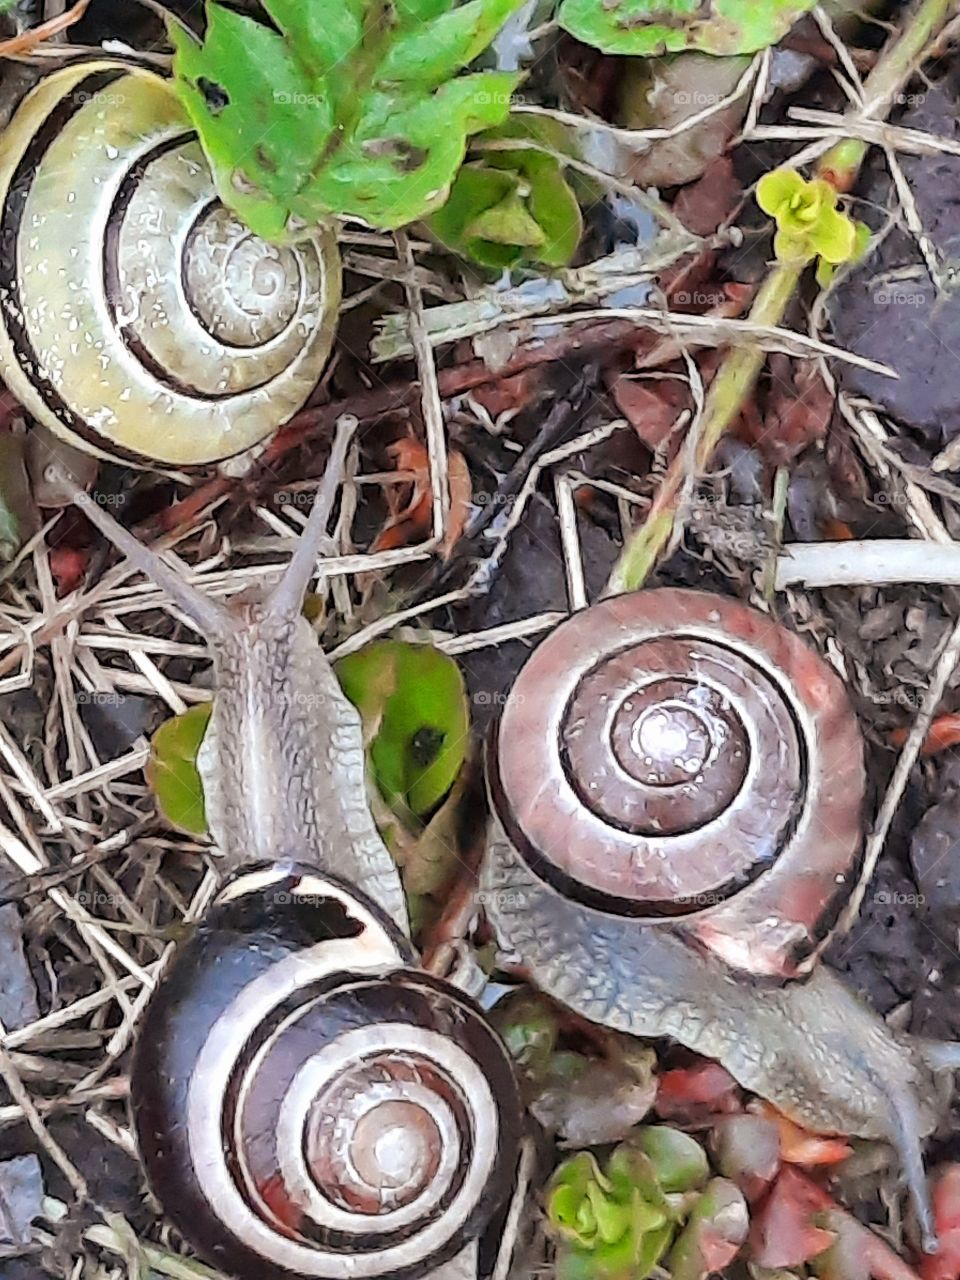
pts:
[677, 756]
[140, 318]
[308, 1104]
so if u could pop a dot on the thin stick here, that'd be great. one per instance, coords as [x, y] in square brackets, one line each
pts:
[870, 563]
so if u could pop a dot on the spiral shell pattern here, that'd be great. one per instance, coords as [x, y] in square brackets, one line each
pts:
[307, 1104]
[676, 756]
[140, 319]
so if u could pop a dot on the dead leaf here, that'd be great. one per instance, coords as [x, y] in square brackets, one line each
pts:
[21, 1198]
[68, 565]
[411, 505]
[648, 410]
[510, 394]
[709, 201]
[784, 1231]
[430, 858]
[944, 732]
[798, 409]
[747, 1151]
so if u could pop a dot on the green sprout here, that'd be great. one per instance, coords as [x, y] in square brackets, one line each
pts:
[809, 224]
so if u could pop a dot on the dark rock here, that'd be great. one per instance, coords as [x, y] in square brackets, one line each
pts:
[935, 857]
[889, 310]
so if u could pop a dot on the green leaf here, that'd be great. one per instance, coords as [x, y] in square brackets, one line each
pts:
[172, 769]
[776, 189]
[507, 223]
[833, 236]
[347, 109]
[678, 1159]
[259, 116]
[512, 205]
[323, 35]
[414, 697]
[435, 51]
[651, 28]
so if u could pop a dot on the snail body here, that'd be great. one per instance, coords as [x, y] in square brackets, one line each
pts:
[139, 319]
[282, 760]
[677, 785]
[308, 1104]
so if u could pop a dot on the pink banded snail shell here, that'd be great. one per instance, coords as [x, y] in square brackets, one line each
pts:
[308, 1104]
[139, 319]
[675, 755]
[677, 786]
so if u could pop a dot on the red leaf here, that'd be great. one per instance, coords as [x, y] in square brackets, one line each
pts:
[798, 1145]
[944, 732]
[693, 1093]
[784, 1233]
[411, 507]
[509, 394]
[709, 201]
[68, 566]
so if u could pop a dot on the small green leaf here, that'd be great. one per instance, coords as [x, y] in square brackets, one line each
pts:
[172, 769]
[347, 109]
[678, 1159]
[512, 205]
[415, 696]
[507, 223]
[650, 28]
[833, 236]
[777, 188]
[809, 224]
[433, 52]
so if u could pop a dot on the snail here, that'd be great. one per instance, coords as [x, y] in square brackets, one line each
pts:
[139, 319]
[677, 785]
[308, 1104]
[282, 761]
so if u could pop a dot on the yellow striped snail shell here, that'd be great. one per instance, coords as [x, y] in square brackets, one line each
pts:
[140, 319]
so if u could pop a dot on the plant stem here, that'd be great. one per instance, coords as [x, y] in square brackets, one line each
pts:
[737, 374]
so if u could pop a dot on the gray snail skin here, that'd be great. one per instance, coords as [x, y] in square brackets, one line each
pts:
[282, 760]
[139, 319]
[677, 785]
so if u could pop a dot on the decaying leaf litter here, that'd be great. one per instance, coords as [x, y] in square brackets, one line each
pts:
[516, 434]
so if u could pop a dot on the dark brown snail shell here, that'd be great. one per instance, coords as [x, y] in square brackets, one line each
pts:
[676, 756]
[308, 1104]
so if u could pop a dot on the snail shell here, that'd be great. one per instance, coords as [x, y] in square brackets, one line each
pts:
[140, 319]
[306, 1104]
[678, 757]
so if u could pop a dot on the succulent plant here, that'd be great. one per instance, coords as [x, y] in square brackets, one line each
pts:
[617, 1221]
